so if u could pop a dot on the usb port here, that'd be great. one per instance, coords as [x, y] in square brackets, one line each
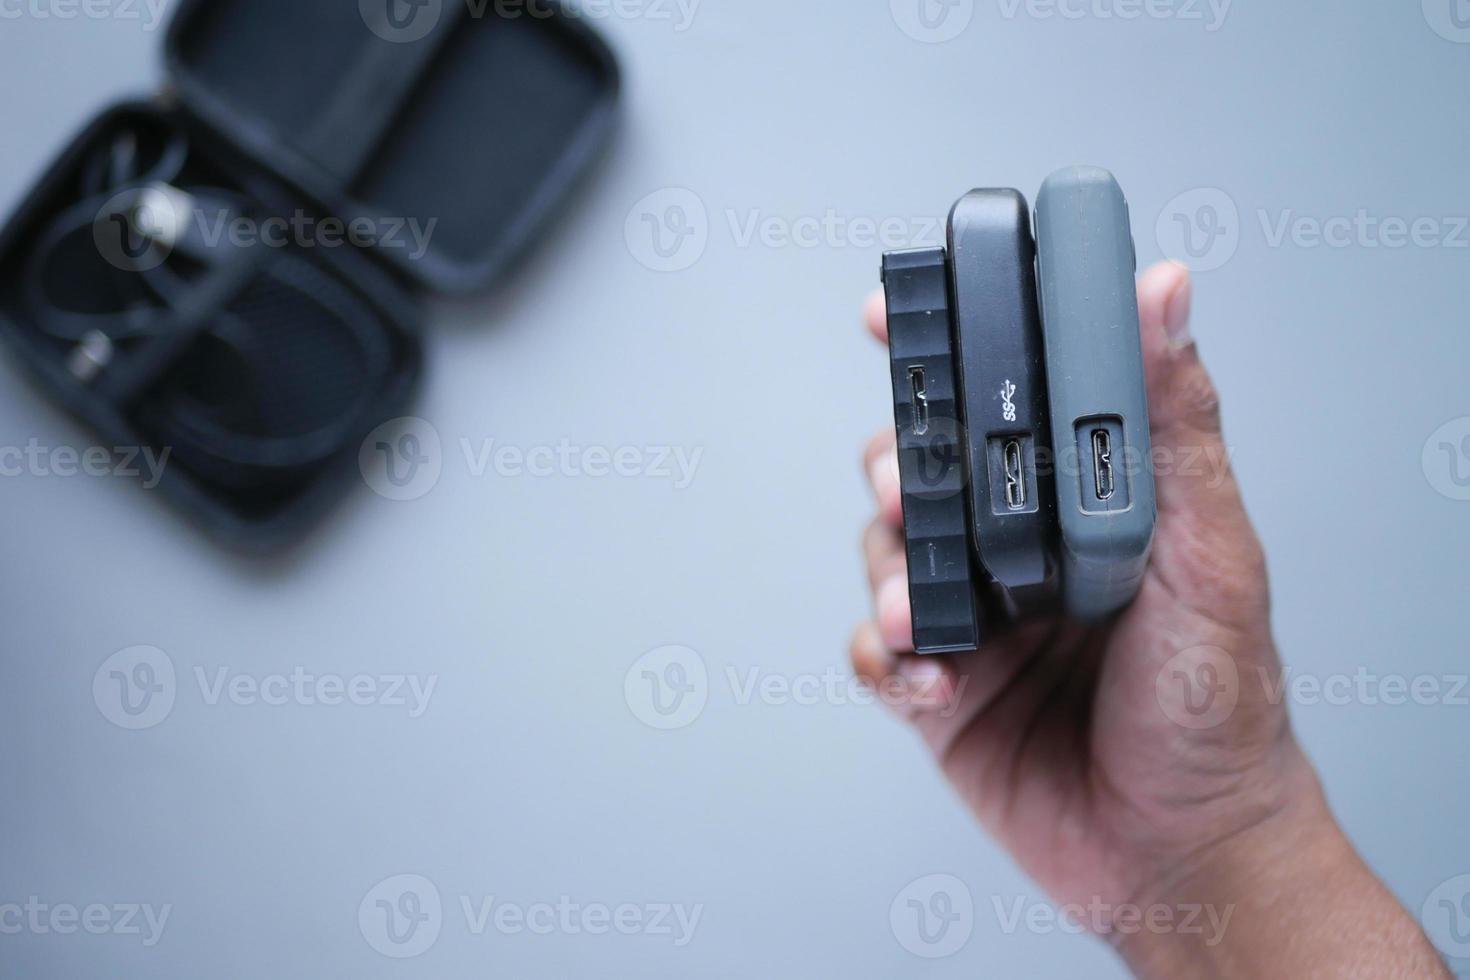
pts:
[1103, 480]
[1103, 466]
[920, 399]
[1014, 459]
[1012, 462]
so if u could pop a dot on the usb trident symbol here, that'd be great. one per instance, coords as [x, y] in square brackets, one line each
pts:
[1008, 401]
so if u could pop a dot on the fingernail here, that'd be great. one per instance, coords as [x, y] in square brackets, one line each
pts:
[1176, 311]
[870, 658]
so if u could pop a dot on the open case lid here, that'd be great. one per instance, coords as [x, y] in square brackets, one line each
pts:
[454, 112]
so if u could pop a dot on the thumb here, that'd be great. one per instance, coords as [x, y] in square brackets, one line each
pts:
[1206, 541]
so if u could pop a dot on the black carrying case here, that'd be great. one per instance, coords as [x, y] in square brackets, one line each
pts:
[477, 121]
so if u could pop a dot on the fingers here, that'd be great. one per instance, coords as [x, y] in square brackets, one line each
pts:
[880, 462]
[923, 690]
[1184, 411]
[871, 660]
[883, 550]
[875, 315]
[894, 615]
[1182, 401]
[1199, 500]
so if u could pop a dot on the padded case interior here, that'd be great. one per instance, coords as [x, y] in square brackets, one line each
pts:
[478, 126]
[302, 383]
[264, 379]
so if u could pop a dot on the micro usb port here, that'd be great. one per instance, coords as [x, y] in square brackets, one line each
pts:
[1103, 466]
[920, 400]
[1014, 463]
[1012, 475]
[1104, 482]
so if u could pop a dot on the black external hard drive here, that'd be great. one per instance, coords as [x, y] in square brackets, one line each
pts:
[931, 452]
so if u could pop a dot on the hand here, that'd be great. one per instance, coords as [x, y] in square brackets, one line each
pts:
[1142, 762]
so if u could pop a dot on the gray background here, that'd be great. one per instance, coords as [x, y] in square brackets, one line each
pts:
[529, 777]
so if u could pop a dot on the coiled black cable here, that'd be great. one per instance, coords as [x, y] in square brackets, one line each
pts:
[277, 378]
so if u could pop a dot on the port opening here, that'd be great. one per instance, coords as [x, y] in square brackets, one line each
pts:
[1014, 461]
[920, 399]
[1011, 459]
[1104, 481]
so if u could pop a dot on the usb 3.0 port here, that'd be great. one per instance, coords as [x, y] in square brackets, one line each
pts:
[920, 401]
[1103, 465]
[1014, 463]
[1104, 482]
